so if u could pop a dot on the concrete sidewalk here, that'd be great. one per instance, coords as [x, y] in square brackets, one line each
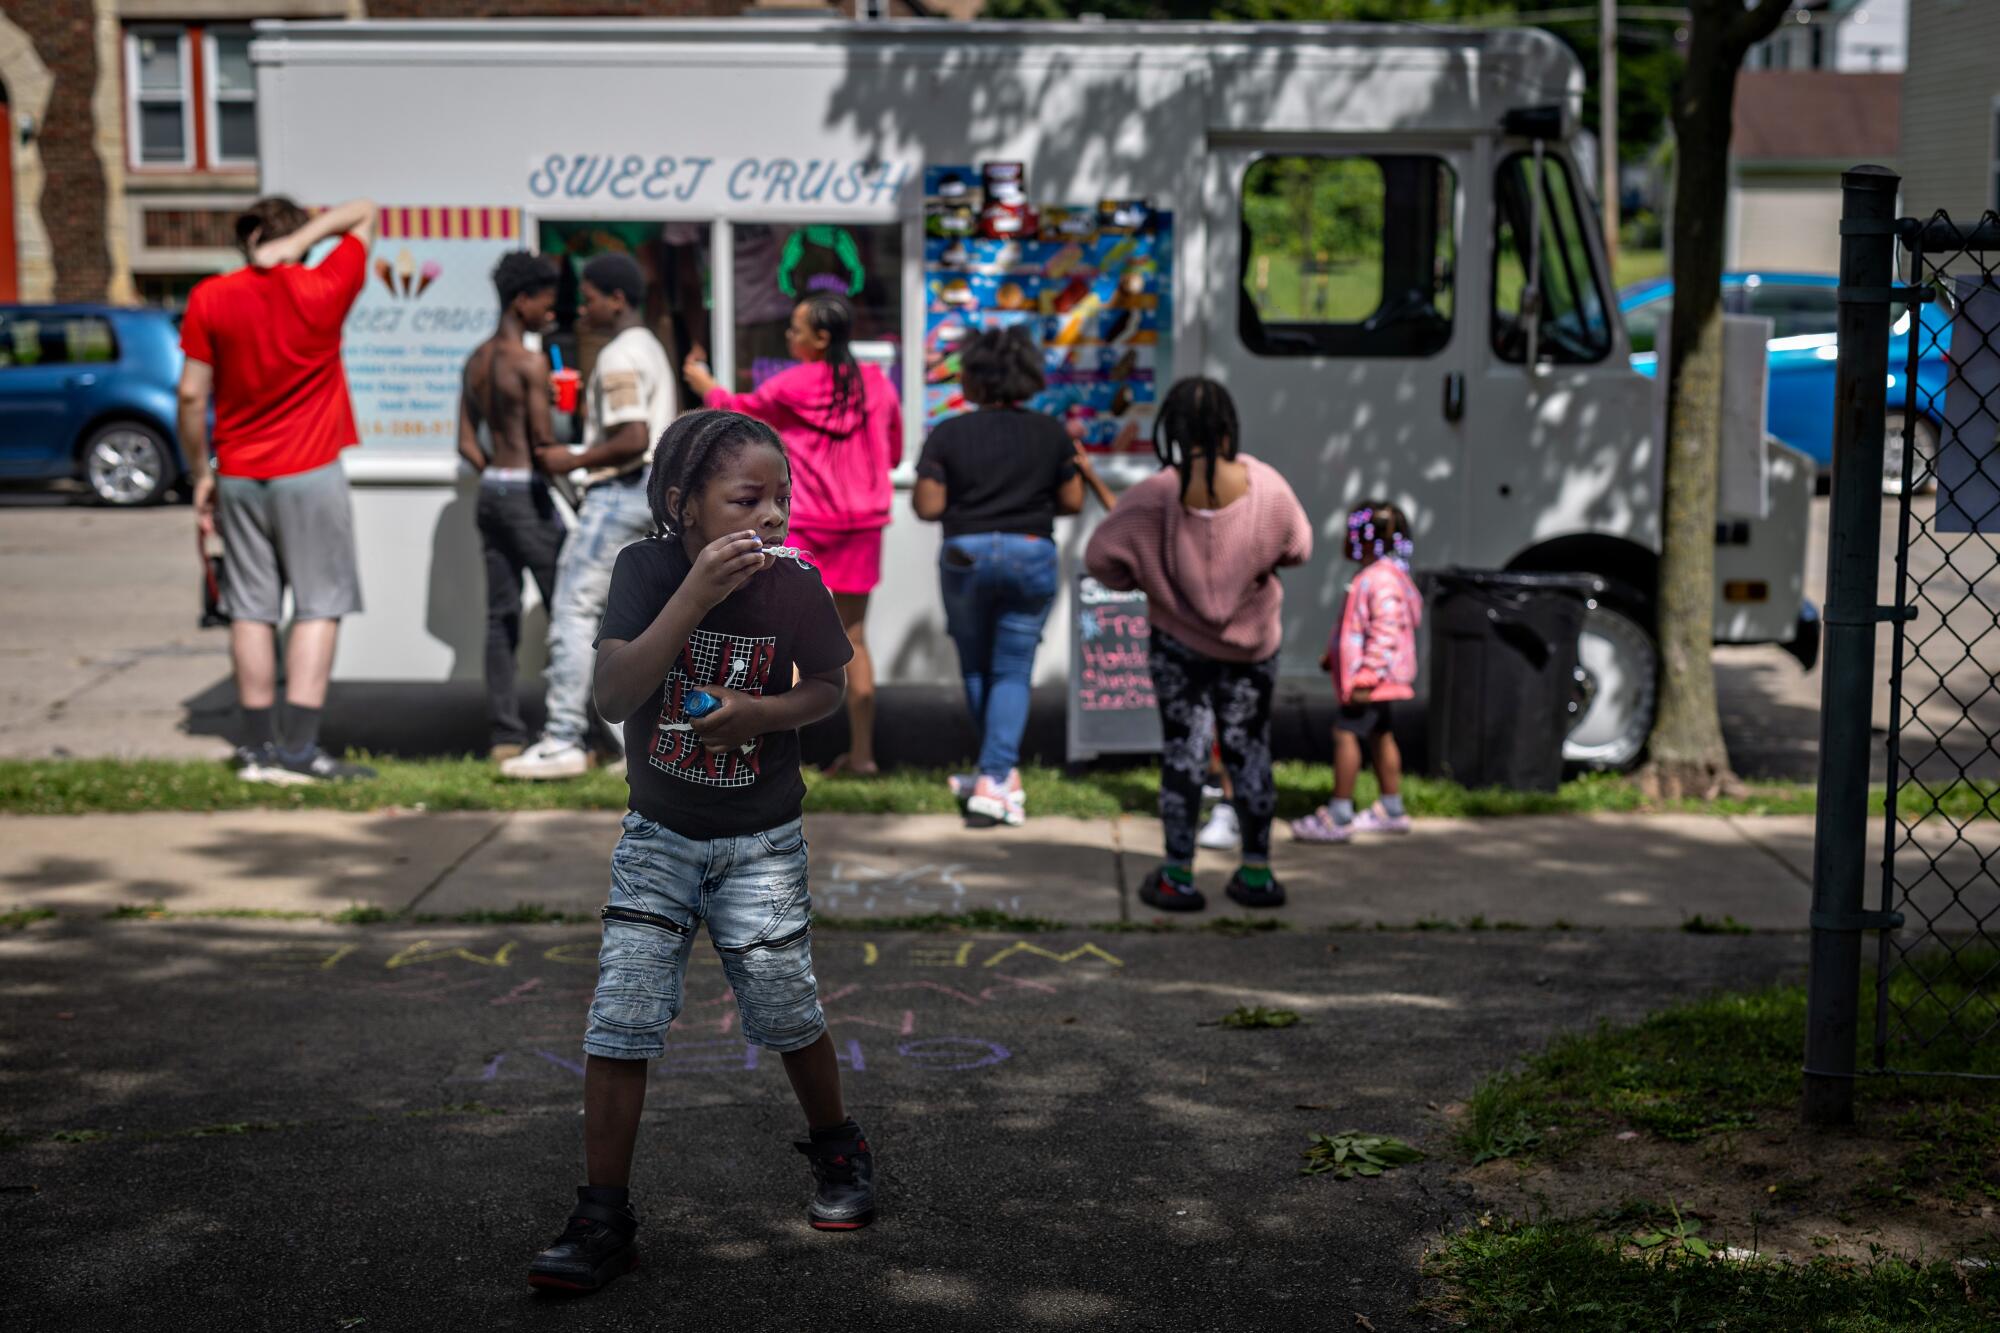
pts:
[1599, 871]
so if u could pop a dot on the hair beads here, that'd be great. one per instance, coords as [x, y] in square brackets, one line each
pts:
[1375, 532]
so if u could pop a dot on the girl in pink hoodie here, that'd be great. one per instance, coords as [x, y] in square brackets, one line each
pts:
[842, 425]
[1373, 658]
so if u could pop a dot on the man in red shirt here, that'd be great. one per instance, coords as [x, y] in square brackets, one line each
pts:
[264, 343]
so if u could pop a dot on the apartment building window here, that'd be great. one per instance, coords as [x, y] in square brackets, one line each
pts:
[159, 88]
[232, 98]
[191, 97]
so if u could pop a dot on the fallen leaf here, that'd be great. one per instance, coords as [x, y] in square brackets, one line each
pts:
[1628, 1135]
[1361, 1321]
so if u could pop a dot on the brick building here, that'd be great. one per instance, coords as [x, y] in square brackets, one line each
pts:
[130, 137]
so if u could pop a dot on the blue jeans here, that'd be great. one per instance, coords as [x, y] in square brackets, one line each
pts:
[998, 587]
[613, 515]
[751, 892]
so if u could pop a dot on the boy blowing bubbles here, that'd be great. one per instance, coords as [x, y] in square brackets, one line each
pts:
[714, 832]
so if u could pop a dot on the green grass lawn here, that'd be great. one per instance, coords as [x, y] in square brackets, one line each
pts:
[94, 786]
[1723, 1062]
[1709, 1073]
[1544, 1276]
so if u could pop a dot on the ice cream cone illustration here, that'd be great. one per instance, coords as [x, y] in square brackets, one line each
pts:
[429, 275]
[406, 268]
[383, 272]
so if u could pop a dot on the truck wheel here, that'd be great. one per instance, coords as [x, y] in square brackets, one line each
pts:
[1617, 689]
[127, 464]
[1894, 466]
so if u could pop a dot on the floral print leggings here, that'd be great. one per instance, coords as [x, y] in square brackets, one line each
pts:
[1191, 687]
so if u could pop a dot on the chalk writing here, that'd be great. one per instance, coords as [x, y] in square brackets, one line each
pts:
[422, 952]
[941, 955]
[859, 887]
[1023, 947]
[948, 1055]
[1112, 707]
[851, 881]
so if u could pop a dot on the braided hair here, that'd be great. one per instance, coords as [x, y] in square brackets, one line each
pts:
[689, 452]
[830, 314]
[1198, 420]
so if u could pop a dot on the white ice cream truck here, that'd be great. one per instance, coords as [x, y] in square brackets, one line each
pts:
[1380, 238]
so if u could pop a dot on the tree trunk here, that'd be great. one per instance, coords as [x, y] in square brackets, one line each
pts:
[1688, 755]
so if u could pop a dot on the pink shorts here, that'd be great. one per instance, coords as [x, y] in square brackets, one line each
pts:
[848, 561]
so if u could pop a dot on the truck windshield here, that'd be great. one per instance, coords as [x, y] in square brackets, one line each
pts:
[1347, 256]
[1574, 328]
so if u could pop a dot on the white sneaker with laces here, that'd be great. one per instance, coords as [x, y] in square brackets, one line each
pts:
[1222, 832]
[546, 760]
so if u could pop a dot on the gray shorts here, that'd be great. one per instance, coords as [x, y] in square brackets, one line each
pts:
[295, 532]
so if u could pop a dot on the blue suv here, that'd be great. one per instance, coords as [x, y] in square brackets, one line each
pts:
[1803, 353]
[89, 391]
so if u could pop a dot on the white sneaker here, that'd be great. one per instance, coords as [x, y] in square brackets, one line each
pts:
[546, 760]
[1222, 832]
[961, 785]
[1210, 793]
[993, 803]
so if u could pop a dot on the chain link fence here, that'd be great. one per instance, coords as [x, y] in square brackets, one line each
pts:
[1937, 996]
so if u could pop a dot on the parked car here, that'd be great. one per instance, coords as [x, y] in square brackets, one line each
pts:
[1803, 351]
[88, 391]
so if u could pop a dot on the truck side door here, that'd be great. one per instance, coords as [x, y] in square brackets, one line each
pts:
[1335, 323]
[1563, 446]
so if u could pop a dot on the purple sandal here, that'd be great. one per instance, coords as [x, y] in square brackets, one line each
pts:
[1320, 826]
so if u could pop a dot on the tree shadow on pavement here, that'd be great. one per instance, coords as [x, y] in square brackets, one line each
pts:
[305, 1124]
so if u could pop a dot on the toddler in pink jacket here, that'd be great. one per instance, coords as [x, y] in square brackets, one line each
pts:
[1373, 658]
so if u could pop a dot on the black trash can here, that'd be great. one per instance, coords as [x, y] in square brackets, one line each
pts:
[1504, 690]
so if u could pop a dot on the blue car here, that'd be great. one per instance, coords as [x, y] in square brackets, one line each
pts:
[1802, 354]
[89, 391]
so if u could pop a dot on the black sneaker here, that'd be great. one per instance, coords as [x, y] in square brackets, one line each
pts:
[844, 1182]
[1272, 894]
[283, 770]
[1167, 895]
[248, 757]
[593, 1250]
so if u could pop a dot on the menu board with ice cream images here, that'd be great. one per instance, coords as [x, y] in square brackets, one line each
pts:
[1093, 285]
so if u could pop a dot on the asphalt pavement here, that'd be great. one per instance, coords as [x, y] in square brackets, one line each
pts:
[280, 1125]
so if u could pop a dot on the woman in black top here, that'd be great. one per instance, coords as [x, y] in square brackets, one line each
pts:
[997, 477]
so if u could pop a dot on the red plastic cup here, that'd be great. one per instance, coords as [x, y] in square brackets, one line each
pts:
[567, 383]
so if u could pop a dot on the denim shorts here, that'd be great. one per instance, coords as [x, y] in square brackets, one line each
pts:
[752, 893]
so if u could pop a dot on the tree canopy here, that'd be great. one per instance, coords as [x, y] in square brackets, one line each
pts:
[1649, 64]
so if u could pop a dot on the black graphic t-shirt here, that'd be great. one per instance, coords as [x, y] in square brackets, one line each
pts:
[782, 618]
[1001, 468]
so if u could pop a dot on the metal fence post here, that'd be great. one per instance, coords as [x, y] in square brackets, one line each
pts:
[1847, 685]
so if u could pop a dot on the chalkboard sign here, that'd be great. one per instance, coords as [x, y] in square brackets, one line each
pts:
[1111, 706]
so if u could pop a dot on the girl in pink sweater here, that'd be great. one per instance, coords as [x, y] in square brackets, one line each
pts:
[842, 425]
[1373, 658]
[1205, 540]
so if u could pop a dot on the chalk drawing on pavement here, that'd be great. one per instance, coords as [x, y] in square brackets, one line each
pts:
[856, 886]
